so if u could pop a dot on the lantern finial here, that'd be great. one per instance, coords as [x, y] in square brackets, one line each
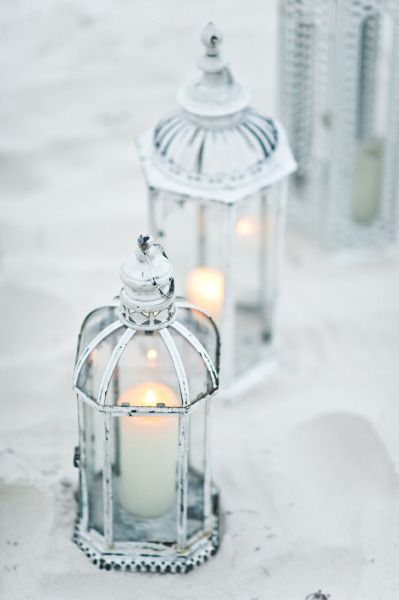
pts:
[145, 242]
[212, 38]
[147, 297]
[213, 62]
[217, 93]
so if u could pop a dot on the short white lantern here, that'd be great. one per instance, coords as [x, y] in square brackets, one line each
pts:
[339, 73]
[146, 369]
[216, 171]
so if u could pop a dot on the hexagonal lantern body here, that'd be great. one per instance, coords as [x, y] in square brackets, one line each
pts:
[216, 172]
[145, 372]
[339, 96]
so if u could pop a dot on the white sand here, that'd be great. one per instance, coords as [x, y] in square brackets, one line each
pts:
[308, 462]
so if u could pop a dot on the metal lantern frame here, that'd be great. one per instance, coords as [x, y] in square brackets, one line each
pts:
[331, 102]
[130, 315]
[213, 113]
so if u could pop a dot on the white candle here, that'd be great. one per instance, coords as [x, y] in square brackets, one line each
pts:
[205, 289]
[148, 453]
[368, 172]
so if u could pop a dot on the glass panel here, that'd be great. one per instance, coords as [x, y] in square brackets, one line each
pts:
[198, 251]
[95, 322]
[256, 229]
[94, 439]
[145, 374]
[211, 250]
[145, 478]
[199, 381]
[196, 470]
[203, 329]
[93, 368]
[375, 60]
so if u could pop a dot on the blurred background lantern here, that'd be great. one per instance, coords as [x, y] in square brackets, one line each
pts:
[145, 372]
[216, 171]
[339, 88]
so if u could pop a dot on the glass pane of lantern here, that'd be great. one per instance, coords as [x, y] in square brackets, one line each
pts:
[93, 369]
[203, 329]
[144, 476]
[94, 440]
[145, 447]
[216, 245]
[196, 469]
[198, 251]
[145, 374]
[374, 77]
[256, 240]
[95, 322]
[198, 377]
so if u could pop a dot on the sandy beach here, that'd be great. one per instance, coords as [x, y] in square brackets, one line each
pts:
[308, 461]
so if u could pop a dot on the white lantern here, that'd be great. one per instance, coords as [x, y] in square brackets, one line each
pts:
[145, 372]
[340, 103]
[216, 171]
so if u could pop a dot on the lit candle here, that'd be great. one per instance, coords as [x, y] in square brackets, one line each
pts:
[368, 172]
[148, 453]
[246, 227]
[205, 289]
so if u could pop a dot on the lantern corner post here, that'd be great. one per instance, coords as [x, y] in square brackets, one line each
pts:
[208, 512]
[182, 481]
[108, 493]
[83, 519]
[228, 320]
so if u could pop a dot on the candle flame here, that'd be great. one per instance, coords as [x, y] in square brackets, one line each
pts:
[152, 354]
[245, 227]
[150, 398]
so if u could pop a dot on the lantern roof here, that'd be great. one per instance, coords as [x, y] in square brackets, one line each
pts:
[215, 145]
[146, 325]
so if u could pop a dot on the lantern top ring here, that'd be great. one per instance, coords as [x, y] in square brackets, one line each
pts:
[147, 300]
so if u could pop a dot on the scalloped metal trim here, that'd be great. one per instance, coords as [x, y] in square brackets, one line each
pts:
[179, 564]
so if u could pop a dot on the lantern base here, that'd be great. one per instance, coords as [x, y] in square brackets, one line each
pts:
[143, 560]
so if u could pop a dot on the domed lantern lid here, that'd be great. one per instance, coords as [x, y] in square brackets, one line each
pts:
[122, 341]
[215, 145]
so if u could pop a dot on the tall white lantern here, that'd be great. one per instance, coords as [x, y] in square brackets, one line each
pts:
[339, 91]
[145, 374]
[216, 171]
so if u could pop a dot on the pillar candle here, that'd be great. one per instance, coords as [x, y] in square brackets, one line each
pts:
[148, 453]
[205, 289]
[367, 188]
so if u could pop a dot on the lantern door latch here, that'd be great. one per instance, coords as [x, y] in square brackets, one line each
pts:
[76, 457]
